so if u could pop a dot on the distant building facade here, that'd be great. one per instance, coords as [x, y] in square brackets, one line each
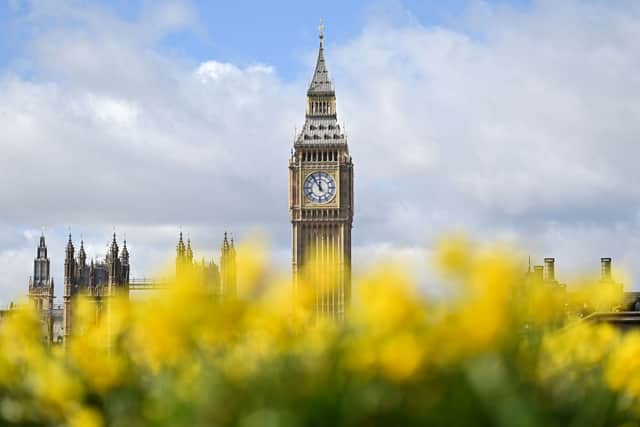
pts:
[99, 279]
[545, 275]
[222, 280]
[96, 281]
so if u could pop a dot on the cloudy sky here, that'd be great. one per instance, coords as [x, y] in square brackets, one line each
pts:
[508, 120]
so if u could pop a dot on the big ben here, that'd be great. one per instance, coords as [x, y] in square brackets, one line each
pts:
[321, 201]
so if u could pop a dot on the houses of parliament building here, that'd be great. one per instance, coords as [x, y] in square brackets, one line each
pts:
[321, 213]
[321, 210]
[100, 278]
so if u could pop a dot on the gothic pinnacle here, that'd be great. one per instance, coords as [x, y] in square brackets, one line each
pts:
[125, 251]
[114, 246]
[81, 251]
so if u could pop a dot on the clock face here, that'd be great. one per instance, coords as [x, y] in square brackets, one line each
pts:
[319, 187]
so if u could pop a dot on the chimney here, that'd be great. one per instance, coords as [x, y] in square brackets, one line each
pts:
[549, 269]
[605, 268]
[537, 272]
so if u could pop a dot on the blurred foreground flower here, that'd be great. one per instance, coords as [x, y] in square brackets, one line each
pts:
[501, 349]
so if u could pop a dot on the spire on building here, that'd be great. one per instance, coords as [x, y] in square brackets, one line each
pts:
[81, 252]
[228, 269]
[225, 243]
[180, 256]
[125, 251]
[114, 246]
[42, 247]
[320, 83]
[180, 248]
[70, 249]
[82, 256]
[189, 251]
[41, 289]
[41, 265]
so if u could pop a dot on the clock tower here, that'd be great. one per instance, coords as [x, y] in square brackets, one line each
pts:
[321, 201]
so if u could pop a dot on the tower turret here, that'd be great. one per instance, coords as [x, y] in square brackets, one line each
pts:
[114, 266]
[41, 265]
[69, 266]
[69, 286]
[42, 247]
[113, 249]
[228, 283]
[180, 256]
[189, 253]
[92, 276]
[82, 255]
[41, 289]
[124, 261]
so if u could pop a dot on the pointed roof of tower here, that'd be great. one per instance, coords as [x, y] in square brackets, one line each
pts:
[180, 246]
[41, 252]
[69, 245]
[125, 251]
[225, 242]
[321, 83]
[114, 246]
[189, 250]
[81, 252]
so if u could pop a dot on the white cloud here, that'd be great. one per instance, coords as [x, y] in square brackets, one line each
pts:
[522, 124]
[216, 71]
